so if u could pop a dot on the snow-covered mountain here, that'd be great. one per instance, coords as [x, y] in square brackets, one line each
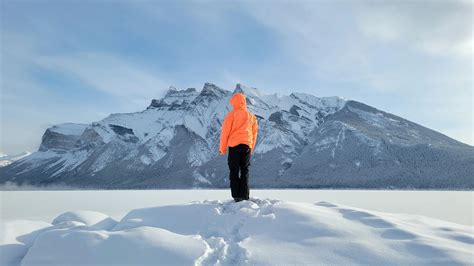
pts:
[303, 141]
[8, 159]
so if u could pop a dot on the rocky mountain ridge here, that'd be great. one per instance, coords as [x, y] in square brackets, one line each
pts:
[304, 142]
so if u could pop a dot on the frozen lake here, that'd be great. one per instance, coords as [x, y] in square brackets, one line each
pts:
[453, 206]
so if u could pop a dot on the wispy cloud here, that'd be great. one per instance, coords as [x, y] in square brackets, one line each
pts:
[435, 27]
[109, 73]
[30, 104]
[411, 58]
[356, 42]
[417, 52]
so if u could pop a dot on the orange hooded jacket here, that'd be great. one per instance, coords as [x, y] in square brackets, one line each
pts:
[239, 127]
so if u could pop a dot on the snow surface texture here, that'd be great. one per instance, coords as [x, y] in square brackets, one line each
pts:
[256, 232]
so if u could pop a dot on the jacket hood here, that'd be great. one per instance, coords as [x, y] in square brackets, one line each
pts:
[238, 101]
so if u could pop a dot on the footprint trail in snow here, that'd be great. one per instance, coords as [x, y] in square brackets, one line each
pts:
[259, 231]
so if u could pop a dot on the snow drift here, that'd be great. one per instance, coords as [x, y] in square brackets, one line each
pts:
[259, 232]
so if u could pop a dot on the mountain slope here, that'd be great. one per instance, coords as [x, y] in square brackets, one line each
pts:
[8, 159]
[361, 146]
[303, 141]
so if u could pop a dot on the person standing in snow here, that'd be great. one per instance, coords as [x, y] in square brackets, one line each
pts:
[239, 133]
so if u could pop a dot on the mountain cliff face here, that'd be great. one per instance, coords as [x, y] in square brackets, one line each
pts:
[303, 141]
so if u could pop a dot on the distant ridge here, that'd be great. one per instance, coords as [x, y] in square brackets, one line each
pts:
[304, 141]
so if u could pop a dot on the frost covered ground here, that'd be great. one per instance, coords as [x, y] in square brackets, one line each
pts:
[221, 232]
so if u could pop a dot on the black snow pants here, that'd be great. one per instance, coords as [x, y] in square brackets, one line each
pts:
[239, 160]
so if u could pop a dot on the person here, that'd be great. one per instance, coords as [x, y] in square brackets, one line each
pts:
[239, 134]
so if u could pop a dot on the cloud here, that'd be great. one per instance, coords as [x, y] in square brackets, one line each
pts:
[30, 102]
[435, 27]
[417, 52]
[351, 42]
[109, 73]
[320, 37]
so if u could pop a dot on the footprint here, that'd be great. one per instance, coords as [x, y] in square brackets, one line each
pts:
[365, 218]
[464, 239]
[326, 204]
[354, 215]
[216, 250]
[457, 237]
[424, 251]
[445, 229]
[397, 234]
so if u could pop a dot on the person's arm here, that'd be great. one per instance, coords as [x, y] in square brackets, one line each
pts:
[254, 132]
[225, 131]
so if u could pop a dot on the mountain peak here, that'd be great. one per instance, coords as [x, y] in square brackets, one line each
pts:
[171, 90]
[211, 89]
[303, 142]
[211, 86]
[247, 91]
[173, 95]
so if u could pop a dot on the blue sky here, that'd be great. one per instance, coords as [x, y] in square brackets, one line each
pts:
[78, 61]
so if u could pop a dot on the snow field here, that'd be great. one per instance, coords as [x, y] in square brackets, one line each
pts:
[260, 231]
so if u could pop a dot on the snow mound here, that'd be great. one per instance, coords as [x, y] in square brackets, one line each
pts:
[137, 246]
[16, 237]
[259, 231]
[88, 218]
